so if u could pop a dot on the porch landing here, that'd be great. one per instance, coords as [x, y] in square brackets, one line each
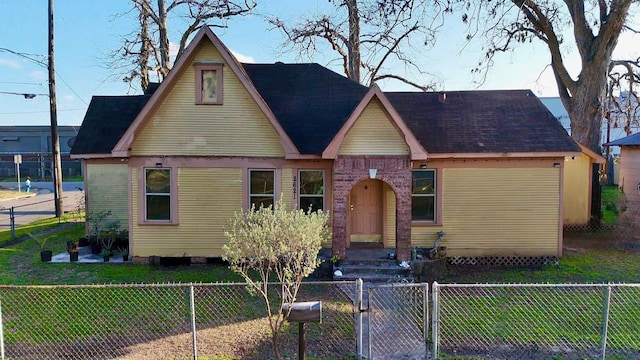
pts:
[377, 265]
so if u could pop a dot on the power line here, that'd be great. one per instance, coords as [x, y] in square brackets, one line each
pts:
[37, 112]
[20, 83]
[44, 65]
[26, 95]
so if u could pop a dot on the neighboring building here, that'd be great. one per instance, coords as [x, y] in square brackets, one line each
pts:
[393, 168]
[629, 165]
[609, 133]
[34, 144]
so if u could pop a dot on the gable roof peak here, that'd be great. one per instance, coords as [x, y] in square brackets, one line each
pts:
[123, 147]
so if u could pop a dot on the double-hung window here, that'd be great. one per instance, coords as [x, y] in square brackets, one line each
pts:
[423, 195]
[261, 188]
[157, 192]
[311, 190]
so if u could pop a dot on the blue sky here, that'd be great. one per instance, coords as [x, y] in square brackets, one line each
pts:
[86, 31]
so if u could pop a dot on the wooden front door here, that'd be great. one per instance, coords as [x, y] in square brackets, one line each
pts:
[366, 212]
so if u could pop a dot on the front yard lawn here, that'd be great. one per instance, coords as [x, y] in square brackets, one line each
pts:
[20, 263]
[589, 259]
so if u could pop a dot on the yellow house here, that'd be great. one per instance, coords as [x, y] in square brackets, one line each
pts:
[577, 186]
[393, 168]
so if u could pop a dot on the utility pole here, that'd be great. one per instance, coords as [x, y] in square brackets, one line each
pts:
[55, 140]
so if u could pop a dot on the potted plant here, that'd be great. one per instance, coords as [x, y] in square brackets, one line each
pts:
[95, 220]
[107, 240]
[73, 254]
[45, 255]
[106, 254]
[124, 251]
[72, 245]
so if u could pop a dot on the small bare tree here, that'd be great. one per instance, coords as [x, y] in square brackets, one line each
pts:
[275, 241]
[368, 35]
[623, 101]
[146, 50]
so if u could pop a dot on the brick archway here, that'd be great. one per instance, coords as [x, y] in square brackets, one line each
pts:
[395, 171]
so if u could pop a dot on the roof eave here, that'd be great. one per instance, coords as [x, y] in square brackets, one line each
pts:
[91, 156]
[504, 155]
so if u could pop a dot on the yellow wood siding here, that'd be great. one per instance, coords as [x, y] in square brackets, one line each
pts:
[497, 212]
[203, 213]
[236, 128]
[287, 188]
[576, 191]
[107, 190]
[390, 216]
[374, 134]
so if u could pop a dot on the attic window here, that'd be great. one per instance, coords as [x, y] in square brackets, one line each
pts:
[208, 83]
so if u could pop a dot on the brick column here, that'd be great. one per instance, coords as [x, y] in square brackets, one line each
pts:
[394, 171]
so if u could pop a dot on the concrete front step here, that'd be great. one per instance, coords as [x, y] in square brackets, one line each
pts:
[372, 271]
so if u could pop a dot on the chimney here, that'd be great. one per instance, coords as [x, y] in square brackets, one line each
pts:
[442, 98]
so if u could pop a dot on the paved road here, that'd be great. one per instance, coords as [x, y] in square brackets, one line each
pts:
[41, 204]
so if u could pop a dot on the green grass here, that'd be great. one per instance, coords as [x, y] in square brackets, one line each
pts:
[20, 264]
[610, 194]
[603, 265]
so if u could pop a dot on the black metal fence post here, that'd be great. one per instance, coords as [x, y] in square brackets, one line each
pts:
[12, 223]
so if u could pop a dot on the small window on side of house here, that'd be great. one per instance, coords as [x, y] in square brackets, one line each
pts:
[261, 188]
[157, 191]
[311, 190]
[208, 84]
[423, 195]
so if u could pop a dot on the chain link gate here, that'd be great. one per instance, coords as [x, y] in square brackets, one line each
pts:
[397, 321]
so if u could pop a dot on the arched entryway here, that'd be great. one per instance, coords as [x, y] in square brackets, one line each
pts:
[355, 175]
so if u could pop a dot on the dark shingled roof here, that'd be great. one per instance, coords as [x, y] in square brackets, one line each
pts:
[494, 121]
[631, 140]
[106, 120]
[310, 102]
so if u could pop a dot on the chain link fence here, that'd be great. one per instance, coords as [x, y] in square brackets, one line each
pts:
[38, 166]
[397, 321]
[391, 321]
[165, 322]
[536, 321]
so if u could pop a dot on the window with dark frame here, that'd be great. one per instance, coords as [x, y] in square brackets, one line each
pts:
[261, 188]
[208, 84]
[157, 192]
[311, 190]
[423, 195]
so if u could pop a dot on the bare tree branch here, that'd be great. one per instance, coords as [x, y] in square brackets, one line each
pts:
[367, 34]
[151, 41]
